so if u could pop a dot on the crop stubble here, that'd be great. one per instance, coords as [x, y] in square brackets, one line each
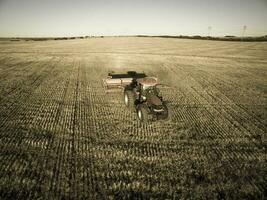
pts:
[62, 136]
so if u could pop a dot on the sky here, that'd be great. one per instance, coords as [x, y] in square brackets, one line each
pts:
[58, 18]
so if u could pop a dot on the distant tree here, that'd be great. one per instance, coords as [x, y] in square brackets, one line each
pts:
[229, 36]
[197, 37]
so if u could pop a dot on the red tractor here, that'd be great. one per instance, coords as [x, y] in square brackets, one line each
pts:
[141, 94]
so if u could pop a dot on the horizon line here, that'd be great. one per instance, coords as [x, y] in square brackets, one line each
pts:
[135, 35]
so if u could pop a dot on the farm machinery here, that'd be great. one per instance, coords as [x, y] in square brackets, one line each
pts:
[140, 93]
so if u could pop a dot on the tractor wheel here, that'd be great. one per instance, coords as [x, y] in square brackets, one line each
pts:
[129, 98]
[142, 113]
[167, 112]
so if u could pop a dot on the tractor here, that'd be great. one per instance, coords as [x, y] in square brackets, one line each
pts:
[140, 93]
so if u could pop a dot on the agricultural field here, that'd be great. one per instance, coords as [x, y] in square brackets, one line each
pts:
[63, 137]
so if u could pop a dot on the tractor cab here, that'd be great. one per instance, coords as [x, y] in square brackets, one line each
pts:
[147, 86]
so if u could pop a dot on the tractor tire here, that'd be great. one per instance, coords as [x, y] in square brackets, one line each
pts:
[167, 112]
[143, 113]
[129, 99]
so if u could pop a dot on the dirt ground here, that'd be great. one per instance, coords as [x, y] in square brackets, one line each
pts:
[63, 137]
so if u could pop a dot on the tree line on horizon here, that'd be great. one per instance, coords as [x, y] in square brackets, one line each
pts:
[225, 38]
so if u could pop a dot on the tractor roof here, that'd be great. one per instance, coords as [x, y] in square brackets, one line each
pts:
[151, 81]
